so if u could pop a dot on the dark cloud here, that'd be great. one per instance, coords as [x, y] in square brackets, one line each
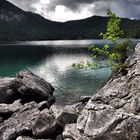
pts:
[123, 8]
[25, 4]
[73, 5]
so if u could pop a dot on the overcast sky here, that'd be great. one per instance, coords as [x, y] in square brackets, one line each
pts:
[64, 10]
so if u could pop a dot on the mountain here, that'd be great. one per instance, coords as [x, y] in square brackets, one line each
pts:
[17, 24]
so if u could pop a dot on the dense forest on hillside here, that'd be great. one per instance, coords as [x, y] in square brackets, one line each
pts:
[16, 24]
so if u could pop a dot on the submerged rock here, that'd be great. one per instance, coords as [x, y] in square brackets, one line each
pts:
[114, 112]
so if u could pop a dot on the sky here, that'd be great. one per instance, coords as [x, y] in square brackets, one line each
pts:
[64, 10]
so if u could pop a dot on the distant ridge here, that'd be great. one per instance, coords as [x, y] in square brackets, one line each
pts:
[17, 24]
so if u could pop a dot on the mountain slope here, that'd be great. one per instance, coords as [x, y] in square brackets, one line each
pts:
[17, 24]
[93, 26]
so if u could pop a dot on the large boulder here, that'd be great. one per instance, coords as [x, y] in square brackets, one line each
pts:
[31, 87]
[26, 86]
[45, 125]
[114, 112]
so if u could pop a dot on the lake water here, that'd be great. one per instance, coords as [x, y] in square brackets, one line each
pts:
[52, 60]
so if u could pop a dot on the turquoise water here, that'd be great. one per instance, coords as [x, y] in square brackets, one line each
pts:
[52, 61]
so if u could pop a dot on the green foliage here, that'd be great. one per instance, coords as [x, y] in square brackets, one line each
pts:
[85, 65]
[113, 32]
[116, 54]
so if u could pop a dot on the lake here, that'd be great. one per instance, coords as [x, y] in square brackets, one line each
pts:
[52, 60]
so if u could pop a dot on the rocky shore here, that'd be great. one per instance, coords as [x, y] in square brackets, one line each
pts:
[28, 112]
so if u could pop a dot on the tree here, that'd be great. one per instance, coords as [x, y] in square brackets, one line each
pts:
[117, 53]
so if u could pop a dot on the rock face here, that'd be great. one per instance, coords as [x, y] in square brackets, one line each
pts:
[114, 112]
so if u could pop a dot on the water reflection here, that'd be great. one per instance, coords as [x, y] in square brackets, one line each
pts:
[71, 83]
[52, 61]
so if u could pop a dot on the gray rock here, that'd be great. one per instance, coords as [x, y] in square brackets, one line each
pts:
[76, 109]
[6, 110]
[20, 122]
[66, 114]
[45, 125]
[59, 137]
[28, 138]
[66, 118]
[43, 105]
[114, 112]
[32, 87]
[7, 91]
[71, 133]
[46, 104]
[1, 119]
[84, 99]
[26, 86]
